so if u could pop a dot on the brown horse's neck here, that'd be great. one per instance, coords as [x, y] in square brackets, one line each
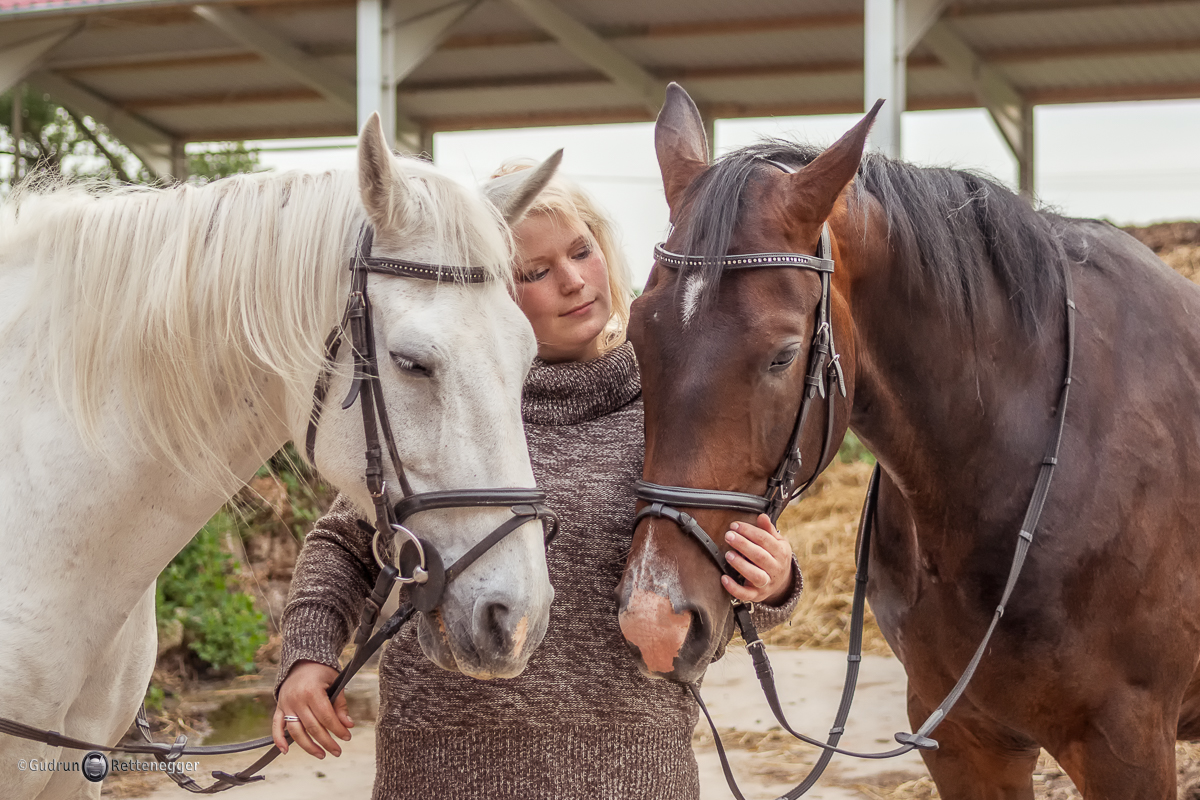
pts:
[951, 408]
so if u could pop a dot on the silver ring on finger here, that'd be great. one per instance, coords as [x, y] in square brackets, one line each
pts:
[289, 718]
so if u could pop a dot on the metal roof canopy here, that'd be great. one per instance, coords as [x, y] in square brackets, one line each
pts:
[160, 73]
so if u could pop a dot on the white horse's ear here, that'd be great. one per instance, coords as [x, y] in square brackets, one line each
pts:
[515, 192]
[379, 181]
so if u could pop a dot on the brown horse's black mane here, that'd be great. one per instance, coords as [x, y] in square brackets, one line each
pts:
[955, 227]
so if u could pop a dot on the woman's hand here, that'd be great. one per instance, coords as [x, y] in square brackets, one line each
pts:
[303, 695]
[764, 557]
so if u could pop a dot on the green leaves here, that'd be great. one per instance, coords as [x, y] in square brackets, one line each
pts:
[220, 624]
[56, 141]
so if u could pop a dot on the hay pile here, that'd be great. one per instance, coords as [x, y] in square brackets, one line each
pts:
[822, 530]
[1177, 243]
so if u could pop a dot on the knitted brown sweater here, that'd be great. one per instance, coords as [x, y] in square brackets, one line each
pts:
[581, 721]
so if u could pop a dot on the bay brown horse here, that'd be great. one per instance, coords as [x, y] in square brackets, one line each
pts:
[948, 311]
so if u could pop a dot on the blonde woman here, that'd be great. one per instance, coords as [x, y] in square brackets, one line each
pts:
[581, 721]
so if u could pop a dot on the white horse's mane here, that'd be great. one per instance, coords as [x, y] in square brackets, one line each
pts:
[180, 299]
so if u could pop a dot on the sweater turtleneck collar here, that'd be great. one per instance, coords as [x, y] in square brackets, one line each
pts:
[579, 391]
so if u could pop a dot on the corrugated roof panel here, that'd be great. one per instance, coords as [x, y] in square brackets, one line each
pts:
[747, 48]
[307, 25]
[97, 42]
[515, 99]
[495, 64]
[136, 86]
[235, 117]
[1064, 28]
[765, 57]
[640, 11]
[1162, 69]
[7, 6]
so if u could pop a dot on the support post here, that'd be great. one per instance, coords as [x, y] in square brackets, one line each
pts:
[883, 71]
[179, 164]
[1008, 108]
[371, 96]
[18, 132]
[1025, 157]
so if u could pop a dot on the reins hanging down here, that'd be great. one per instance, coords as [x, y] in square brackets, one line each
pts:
[426, 576]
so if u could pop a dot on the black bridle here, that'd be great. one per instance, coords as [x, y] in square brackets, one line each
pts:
[824, 378]
[419, 565]
[427, 577]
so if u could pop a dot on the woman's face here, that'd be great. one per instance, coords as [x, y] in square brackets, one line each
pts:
[562, 286]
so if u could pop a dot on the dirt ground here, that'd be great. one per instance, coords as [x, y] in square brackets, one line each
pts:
[808, 666]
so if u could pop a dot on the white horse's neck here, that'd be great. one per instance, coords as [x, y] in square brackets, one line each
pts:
[93, 376]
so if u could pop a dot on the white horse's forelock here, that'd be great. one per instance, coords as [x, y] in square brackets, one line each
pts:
[163, 295]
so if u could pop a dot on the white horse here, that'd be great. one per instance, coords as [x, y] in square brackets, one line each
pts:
[158, 345]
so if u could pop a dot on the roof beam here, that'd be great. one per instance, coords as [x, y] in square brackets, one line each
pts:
[419, 34]
[919, 17]
[587, 46]
[995, 92]
[283, 54]
[148, 142]
[21, 58]
[1012, 112]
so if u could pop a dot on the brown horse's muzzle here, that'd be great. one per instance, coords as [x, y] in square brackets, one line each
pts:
[672, 609]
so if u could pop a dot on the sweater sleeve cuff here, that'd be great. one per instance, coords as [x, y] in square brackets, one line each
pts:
[769, 616]
[311, 633]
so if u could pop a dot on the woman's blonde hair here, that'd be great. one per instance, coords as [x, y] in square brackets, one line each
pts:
[563, 197]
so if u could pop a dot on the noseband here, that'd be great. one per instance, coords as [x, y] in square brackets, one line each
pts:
[823, 378]
[426, 576]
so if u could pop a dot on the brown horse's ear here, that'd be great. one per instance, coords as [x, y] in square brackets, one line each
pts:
[816, 187]
[680, 143]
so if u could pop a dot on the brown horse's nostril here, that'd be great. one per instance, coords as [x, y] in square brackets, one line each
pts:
[650, 623]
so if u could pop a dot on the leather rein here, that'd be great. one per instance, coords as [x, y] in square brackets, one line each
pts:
[419, 565]
[823, 362]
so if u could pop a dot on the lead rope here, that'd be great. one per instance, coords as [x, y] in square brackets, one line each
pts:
[365, 646]
[921, 738]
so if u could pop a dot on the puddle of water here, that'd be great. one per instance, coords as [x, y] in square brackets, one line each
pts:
[241, 719]
[249, 716]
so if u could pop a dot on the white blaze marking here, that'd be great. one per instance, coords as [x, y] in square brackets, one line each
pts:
[691, 296]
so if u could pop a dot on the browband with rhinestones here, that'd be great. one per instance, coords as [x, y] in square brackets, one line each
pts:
[749, 261]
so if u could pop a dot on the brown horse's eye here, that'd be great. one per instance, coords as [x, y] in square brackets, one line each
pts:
[784, 359]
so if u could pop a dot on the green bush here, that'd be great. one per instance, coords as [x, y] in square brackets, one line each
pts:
[220, 625]
[853, 450]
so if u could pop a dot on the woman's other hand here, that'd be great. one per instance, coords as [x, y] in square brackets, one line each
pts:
[303, 695]
[764, 557]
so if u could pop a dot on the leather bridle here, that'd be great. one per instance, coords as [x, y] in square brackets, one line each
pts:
[427, 577]
[824, 378]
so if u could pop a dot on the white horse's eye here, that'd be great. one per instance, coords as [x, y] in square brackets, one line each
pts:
[411, 367]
